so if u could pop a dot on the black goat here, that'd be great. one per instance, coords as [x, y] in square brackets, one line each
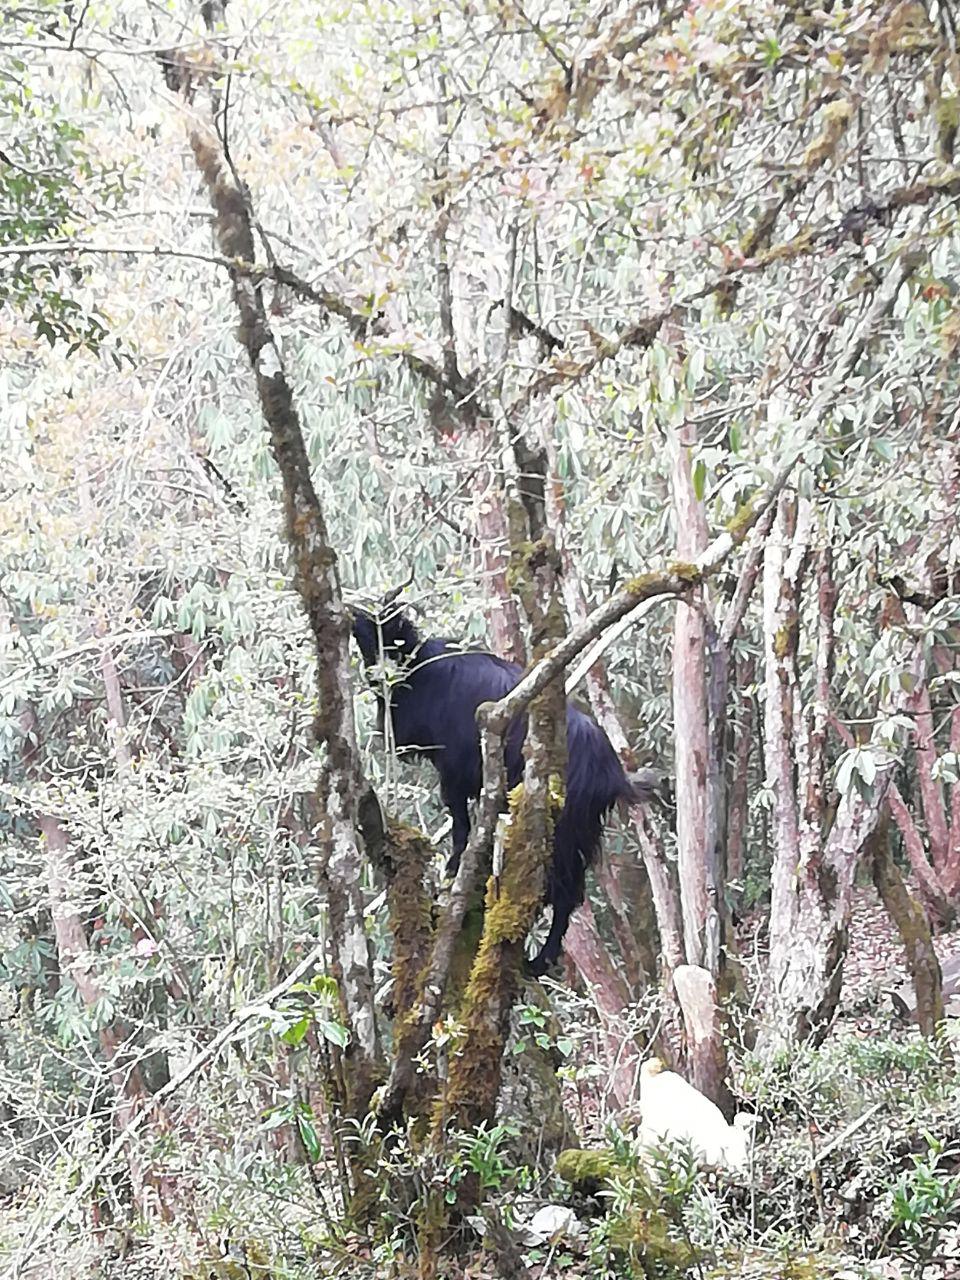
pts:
[433, 714]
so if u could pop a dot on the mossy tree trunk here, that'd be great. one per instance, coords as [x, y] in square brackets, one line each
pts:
[914, 929]
[342, 789]
[515, 890]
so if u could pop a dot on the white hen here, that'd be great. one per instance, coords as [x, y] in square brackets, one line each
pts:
[674, 1110]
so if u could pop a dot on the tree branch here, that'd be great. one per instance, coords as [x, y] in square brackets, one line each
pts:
[342, 786]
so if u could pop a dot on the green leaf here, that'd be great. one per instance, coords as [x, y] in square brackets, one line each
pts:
[699, 478]
[295, 1033]
[845, 771]
[867, 767]
[884, 449]
[335, 1032]
[309, 1135]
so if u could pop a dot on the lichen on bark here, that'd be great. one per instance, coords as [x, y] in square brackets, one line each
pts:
[340, 801]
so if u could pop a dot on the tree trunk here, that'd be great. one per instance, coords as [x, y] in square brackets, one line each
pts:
[813, 720]
[931, 891]
[582, 944]
[743, 731]
[635, 951]
[611, 999]
[626, 884]
[342, 789]
[721, 811]
[494, 548]
[914, 929]
[938, 866]
[805, 984]
[702, 1018]
[783, 563]
[925, 751]
[73, 951]
[698, 802]
[514, 896]
[812, 882]
[951, 871]
[690, 715]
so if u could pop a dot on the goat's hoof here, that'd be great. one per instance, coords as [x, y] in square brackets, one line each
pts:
[539, 966]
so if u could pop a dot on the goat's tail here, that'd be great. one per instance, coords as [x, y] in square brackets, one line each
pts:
[649, 786]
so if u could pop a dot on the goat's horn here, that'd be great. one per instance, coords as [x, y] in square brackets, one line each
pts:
[392, 594]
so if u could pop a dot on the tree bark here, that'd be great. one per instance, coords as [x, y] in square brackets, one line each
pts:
[342, 787]
[610, 997]
[931, 891]
[951, 875]
[515, 895]
[699, 780]
[76, 964]
[702, 1018]
[925, 751]
[583, 944]
[740, 768]
[635, 953]
[937, 867]
[114, 700]
[783, 563]
[805, 983]
[690, 714]
[727, 817]
[812, 738]
[812, 881]
[914, 929]
[626, 884]
[494, 547]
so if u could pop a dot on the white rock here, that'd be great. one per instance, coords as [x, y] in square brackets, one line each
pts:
[551, 1221]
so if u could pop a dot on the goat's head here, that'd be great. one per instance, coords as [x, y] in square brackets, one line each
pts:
[388, 633]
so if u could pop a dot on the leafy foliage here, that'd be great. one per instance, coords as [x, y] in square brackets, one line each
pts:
[49, 185]
[692, 212]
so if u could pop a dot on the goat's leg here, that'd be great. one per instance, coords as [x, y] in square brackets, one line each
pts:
[564, 894]
[461, 833]
[549, 953]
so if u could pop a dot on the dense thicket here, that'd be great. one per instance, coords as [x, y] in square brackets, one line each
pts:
[571, 315]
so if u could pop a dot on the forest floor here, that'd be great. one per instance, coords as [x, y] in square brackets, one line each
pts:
[875, 964]
[854, 1175]
[856, 1164]
[876, 960]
